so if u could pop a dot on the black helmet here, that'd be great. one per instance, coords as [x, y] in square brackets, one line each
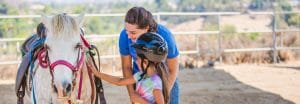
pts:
[151, 46]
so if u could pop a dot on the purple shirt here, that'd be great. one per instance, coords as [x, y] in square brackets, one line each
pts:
[146, 86]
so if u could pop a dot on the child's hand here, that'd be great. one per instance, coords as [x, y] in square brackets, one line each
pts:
[90, 64]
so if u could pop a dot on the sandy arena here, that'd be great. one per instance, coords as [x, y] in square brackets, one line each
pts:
[223, 84]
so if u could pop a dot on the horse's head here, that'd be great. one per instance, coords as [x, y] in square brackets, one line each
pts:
[64, 49]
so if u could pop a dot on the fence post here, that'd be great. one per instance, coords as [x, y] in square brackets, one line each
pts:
[274, 37]
[114, 58]
[198, 50]
[18, 51]
[219, 39]
[158, 17]
[281, 40]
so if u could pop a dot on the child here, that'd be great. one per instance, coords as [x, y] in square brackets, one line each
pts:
[151, 81]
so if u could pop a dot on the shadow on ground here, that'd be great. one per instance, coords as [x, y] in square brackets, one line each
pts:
[113, 94]
[288, 67]
[215, 86]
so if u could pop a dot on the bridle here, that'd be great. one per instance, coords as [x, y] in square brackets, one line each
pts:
[44, 62]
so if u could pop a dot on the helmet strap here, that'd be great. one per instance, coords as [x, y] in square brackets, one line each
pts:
[144, 69]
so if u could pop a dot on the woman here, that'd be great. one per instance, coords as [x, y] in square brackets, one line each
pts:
[137, 22]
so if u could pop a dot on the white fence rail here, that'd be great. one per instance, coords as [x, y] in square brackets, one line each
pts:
[274, 48]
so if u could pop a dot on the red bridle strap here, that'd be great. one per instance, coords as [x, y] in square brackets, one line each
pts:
[69, 65]
[42, 57]
[86, 44]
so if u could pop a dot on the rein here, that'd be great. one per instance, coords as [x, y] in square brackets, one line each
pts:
[100, 98]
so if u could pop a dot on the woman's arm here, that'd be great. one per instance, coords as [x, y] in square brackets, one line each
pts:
[173, 52]
[158, 96]
[126, 60]
[173, 66]
[139, 100]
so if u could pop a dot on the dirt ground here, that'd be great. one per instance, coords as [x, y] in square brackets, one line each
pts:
[223, 84]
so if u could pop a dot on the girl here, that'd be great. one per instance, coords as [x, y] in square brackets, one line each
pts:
[152, 80]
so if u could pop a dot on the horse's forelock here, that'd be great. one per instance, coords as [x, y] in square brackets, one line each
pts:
[64, 24]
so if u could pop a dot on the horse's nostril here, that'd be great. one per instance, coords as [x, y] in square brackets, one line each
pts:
[68, 88]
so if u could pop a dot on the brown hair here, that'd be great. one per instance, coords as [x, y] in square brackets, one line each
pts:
[162, 71]
[141, 17]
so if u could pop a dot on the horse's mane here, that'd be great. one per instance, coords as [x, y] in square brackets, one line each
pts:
[64, 24]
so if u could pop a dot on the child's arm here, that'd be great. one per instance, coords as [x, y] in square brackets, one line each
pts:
[158, 96]
[111, 79]
[115, 80]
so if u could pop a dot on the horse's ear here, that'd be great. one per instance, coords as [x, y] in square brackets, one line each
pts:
[79, 19]
[45, 20]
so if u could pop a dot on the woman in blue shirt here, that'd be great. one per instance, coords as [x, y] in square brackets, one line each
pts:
[137, 22]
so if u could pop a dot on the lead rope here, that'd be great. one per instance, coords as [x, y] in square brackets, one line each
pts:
[98, 82]
[80, 79]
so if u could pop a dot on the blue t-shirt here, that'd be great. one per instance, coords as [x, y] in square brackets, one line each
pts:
[125, 42]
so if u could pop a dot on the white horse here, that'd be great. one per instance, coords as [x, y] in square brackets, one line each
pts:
[59, 74]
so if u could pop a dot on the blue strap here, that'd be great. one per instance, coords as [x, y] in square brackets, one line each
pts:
[35, 45]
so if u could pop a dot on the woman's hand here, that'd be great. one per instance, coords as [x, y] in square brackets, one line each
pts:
[134, 97]
[137, 99]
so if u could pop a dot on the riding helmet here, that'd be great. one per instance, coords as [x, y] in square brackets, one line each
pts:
[152, 47]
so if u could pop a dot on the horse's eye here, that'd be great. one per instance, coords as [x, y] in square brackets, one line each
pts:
[78, 46]
[47, 47]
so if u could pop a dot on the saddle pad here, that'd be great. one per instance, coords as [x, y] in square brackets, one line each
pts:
[22, 71]
[28, 44]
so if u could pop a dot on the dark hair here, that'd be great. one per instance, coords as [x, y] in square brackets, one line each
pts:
[141, 17]
[40, 29]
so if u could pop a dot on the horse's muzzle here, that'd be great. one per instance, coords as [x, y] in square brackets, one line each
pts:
[63, 90]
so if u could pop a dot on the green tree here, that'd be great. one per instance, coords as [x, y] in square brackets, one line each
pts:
[294, 20]
[281, 19]
[208, 5]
